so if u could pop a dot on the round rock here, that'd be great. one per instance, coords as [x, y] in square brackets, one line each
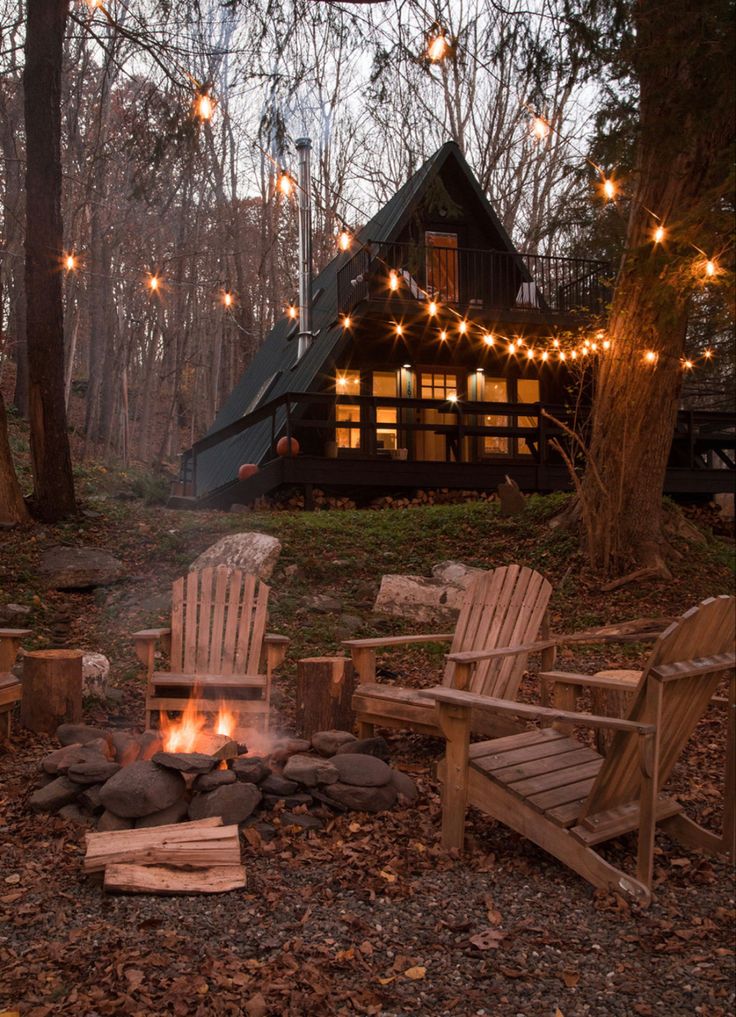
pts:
[142, 789]
[68, 734]
[364, 799]
[275, 785]
[185, 762]
[234, 803]
[310, 770]
[251, 770]
[92, 773]
[328, 742]
[404, 785]
[377, 747]
[211, 781]
[360, 770]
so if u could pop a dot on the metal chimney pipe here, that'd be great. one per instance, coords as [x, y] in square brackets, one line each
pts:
[304, 147]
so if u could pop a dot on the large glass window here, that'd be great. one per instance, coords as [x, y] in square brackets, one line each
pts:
[527, 391]
[495, 391]
[442, 268]
[438, 385]
[384, 384]
[347, 383]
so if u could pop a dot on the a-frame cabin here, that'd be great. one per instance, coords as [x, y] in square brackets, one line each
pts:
[411, 380]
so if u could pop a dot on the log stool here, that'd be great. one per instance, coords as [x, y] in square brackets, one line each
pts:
[324, 690]
[613, 702]
[52, 689]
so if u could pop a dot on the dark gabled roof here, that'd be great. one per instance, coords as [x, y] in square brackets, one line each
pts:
[274, 369]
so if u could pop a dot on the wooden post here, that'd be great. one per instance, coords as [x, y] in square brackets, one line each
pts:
[324, 690]
[455, 723]
[52, 689]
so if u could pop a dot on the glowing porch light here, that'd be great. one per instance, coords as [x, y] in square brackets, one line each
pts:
[347, 321]
[342, 381]
[399, 329]
[438, 48]
[292, 312]
[540, 128]
[393, 281]
[452, 398]
[204, 106]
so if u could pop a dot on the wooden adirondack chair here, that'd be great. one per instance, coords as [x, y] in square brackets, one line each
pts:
[566, 797]
[217, 646]
[498, 627]
[10, 688]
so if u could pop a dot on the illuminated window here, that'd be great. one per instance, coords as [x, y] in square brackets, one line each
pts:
[495, 391]
[347, 383]
[442, 269]
[384, 384]
[527, 391]
[438, 385]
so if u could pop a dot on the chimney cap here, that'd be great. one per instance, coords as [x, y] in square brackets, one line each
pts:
[303, 142]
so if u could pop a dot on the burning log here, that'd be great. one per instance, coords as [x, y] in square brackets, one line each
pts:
[218, 746]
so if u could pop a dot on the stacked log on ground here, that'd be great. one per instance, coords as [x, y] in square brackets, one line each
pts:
[197, 857]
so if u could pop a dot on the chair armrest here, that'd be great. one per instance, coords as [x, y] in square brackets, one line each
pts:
[151, 634]
[471, 656]
[271, 639]
[15, 633]
[369, 644]
[275, 647]
[9, 646]
[454, 697]
[588, 680]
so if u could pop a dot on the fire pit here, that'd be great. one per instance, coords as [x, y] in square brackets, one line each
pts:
[188, 771]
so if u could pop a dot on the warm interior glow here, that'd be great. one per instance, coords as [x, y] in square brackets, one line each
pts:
[574, 354]
[437, 49]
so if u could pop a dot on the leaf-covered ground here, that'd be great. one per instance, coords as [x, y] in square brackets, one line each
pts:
[370, 916]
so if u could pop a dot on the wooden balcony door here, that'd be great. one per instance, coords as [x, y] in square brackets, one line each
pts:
[442, 266]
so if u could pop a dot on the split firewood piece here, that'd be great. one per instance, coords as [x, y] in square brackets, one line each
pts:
[163, 879]
[203, 843]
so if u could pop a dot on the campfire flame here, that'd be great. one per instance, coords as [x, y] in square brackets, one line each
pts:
[183, 734]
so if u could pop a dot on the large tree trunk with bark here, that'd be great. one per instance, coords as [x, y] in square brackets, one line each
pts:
[686, 118]
[53, 496]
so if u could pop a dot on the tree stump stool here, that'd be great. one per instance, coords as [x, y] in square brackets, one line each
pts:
[52, 689]
[613, 702]
[324, 690]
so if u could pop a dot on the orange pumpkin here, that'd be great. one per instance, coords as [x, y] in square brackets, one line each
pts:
[287, 447]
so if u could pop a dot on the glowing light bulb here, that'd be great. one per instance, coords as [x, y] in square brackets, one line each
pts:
[556, 343]
[530, 354]
[292, 311]
[346, 321]
[285, 184]
[452, 398]
[462, 327]
[707, 354]
[563, 355]
[344, 240]
[710, 267]
[227, 299]
[650, 356]
[609, 189]
[70, 262]
[489, 340]
[393, 281]
[432, 308]
[437, 48]
[443, 336]
[204, 106]
[153, 283]
[606, 344]
[399, 330]
[574, 354]
[512, 347]
[540, 128]
[594, 347]
[545, 355]
[659, 234]
[688, 365]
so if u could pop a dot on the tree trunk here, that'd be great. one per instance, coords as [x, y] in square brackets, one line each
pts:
[681, 171]
[12, 507]
[53, 496]
[52, 689]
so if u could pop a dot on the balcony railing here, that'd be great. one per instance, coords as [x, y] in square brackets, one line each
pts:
[486, 280]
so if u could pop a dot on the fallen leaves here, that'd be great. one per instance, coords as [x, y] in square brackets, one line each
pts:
[488, 939]
[415, 974]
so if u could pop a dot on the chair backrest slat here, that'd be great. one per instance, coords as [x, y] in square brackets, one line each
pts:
[675, 706]
[503, 607]
[218, 622]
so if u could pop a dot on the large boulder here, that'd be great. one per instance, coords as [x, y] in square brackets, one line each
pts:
[363, 799]
[141, 789]
[234, 802]
[79, 568]
[327, 743]
[54, 796]
[252, 552]
[310, 770]
[361, 770]
[426, 600]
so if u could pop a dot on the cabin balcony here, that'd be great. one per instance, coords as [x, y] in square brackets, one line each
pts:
[484, 283]
[378, 443]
